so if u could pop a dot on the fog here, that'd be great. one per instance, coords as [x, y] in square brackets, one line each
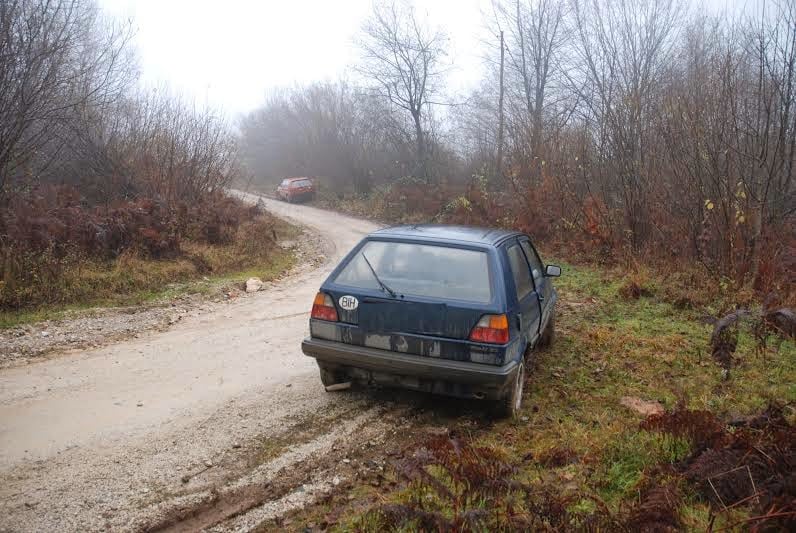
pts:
[229, 54]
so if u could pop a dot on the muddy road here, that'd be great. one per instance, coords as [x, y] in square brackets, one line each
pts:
[219, 422]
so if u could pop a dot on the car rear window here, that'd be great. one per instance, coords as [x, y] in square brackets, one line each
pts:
[421, 270]
[301, 183]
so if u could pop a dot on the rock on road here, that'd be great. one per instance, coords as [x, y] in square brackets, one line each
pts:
[104, 438]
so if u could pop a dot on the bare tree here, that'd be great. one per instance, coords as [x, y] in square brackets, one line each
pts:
[534, 91]
[58, 58]
[764, 123]
[402, 59]
[539, 38]
[623, 48]
[632, 126]
[501, 114]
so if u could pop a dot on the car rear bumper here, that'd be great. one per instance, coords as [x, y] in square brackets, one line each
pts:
[304, 195]
[443, 376]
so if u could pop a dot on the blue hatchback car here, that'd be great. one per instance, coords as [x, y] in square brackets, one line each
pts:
[450, 310]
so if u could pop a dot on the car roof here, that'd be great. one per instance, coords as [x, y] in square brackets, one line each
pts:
[448, 233]
[296, 179]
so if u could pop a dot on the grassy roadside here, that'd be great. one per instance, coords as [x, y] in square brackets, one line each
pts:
[579, 453]
[203, 269]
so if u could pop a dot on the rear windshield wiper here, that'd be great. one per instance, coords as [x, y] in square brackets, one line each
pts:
[383, 285]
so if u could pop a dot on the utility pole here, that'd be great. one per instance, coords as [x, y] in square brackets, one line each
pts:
[499, 163]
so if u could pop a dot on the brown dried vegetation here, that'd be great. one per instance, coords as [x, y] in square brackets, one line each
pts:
[53, 230]
[781, 323]
[753, 465]
[657, 510]
[457, 486]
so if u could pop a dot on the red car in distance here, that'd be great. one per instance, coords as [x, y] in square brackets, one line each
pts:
[296, 189]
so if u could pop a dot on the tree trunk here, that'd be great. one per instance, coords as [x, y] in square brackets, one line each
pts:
[422, 167]
[754, 243]
[499, 162]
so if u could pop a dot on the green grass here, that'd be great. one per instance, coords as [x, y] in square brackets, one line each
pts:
[608, 347]
[625, 458]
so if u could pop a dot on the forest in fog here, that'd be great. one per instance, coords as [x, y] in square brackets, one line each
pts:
[643, 129]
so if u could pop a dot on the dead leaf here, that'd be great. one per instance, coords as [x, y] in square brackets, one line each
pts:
[644, 407]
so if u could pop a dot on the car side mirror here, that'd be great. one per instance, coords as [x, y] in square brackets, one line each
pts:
[552, 271]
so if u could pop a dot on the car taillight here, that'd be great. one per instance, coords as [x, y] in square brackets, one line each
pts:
[492, 329]
[323, 308]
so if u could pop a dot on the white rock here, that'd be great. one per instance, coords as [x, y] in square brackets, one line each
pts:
[254, 284]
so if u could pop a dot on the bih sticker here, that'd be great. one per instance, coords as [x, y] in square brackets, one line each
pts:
[349, 303]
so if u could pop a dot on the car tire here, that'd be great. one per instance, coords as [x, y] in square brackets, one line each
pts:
[328, 375]
[549, 334]
[509, 406]
[332, 376]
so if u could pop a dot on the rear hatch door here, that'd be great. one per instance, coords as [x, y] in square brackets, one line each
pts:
[416, 298]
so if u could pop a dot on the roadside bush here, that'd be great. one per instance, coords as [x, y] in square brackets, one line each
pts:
[215, 218]
[50, 236]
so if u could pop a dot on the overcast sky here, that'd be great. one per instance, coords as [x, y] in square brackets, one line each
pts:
[228, 53]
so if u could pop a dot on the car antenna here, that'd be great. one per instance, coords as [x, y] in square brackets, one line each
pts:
[383, 285]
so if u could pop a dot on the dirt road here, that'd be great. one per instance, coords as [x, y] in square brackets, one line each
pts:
[132, 435]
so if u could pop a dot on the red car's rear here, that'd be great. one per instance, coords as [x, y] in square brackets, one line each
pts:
[296, 189]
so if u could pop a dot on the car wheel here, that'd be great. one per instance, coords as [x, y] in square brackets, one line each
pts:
[328, 376]
[332, 376]
[549, 333]
[509, 406]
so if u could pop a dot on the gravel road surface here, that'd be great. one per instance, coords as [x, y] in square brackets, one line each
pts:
[223, 407]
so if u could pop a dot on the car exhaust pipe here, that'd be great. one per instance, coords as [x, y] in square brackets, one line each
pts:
[339, 386]
[479, 395]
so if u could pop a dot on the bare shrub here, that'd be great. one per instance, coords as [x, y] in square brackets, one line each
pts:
[751, 466]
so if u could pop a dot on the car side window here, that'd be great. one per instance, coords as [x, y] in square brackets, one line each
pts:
[536, 264]
[520, 271]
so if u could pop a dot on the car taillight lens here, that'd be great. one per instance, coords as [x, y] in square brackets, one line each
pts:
[323, 308]
[492, 329]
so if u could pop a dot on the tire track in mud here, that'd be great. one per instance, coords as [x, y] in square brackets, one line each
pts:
[269, 490]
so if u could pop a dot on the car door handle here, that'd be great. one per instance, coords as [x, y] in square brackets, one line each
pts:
[541, 298]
